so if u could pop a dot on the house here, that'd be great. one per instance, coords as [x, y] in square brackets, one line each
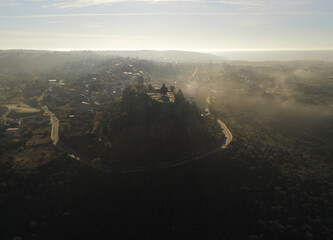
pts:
[13, 131]
[53, 82]
[61, 83]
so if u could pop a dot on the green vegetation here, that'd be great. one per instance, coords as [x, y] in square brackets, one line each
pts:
[3, 109]
[274, 181]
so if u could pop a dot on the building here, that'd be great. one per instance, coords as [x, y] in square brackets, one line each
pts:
[13, 131]
[53, 82]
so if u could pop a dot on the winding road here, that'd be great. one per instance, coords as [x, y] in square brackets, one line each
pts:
[227, 133]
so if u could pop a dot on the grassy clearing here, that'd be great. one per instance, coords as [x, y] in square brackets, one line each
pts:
[22, 108]
[19, 110]
[37, 140]
[32, 157]
[40, 136]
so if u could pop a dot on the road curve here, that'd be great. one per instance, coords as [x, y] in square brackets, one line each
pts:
[227, 133]
[104, 168]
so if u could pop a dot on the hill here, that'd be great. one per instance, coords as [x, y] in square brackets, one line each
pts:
[32, 60]
[148, 126]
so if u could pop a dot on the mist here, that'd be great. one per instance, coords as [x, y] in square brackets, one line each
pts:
[294, 98]
[276, 55]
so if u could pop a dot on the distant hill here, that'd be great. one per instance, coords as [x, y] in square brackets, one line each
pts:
[37, 60]
[167, 56]
[33, 60]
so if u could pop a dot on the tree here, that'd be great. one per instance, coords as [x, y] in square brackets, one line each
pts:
[179, 97]
[28, 134]
[133, 90]
[145, 89]
[46, 133]
[164, 89]
[151, 88]
[96, 162]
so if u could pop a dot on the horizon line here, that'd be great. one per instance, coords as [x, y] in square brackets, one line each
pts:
[169, 49]
[163, 13]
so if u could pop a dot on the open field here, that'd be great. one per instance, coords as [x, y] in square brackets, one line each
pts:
[22, 108]
[18, 110]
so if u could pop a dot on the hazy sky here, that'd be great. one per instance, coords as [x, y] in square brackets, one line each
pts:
[165, 24]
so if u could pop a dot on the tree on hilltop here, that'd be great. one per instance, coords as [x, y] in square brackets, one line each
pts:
[164, 89]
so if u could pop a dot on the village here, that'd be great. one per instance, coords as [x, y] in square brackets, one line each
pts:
[69, 98]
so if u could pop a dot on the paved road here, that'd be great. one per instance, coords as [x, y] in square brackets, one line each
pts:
[227, 133]
[54, 124]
